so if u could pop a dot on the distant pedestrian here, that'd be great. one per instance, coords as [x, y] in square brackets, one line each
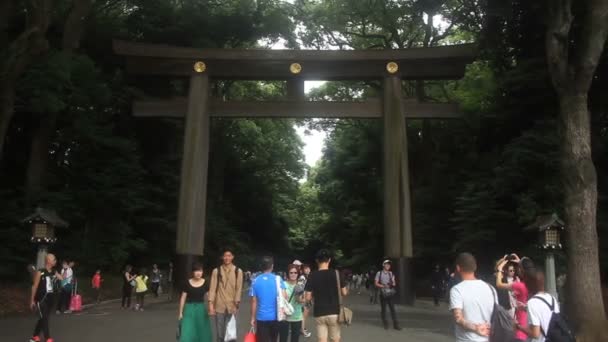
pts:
[437, 284]
[96, 285]
[128, 283]
[141, 287]
[373, 290]
[67, 277]
[302, 280]
[170, 282]
[41, 299]
[225, 293]
[386, 282]
[193, 315]
[322, 288]
[155, 279]
[471, 302]
[266, 290]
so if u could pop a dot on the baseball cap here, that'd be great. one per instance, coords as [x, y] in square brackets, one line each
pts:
[386, 262]
[297, 262]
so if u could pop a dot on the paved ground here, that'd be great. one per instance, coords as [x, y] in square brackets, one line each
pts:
[422, 323]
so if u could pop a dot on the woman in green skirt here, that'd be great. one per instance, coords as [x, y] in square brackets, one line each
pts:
[193, 314]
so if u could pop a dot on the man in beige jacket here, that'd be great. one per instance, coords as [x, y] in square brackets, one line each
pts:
[225, 293]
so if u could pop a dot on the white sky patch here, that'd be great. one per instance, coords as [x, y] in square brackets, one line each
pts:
[314, 141]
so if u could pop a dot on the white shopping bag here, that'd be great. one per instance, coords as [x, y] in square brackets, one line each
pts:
[231, 330]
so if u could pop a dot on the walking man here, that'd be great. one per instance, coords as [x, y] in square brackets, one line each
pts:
[437, 284]
[155, 279]
[322, 288]
[471, 302]
[265, 292]
[170, 282]
[385, 281]
[225, 293]
[41, 297]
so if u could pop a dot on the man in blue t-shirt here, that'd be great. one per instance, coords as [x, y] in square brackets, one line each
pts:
[264, 310]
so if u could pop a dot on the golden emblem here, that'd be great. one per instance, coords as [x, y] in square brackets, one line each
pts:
[392, 67]
[200, 66]
[295, 68]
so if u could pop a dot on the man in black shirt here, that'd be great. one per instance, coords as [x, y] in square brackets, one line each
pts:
[41, 298]
[322, 289]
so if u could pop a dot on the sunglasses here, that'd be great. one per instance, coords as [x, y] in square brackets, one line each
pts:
[511, 270]
[293, 272]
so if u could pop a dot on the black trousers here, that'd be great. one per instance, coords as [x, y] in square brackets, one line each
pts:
[126, 296]
[436, 294]
[43, 309]
[285, 328]
[267, 331]
[384, 302]
[64, 298]
[154, 288]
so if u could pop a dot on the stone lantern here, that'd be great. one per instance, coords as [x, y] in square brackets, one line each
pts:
[43, 223]
[549, 229]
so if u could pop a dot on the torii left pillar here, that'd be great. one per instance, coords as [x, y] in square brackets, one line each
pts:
[397, 205]
[191, 218]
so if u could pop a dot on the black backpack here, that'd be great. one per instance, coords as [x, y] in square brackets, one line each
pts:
[501, 323]
[558, 331]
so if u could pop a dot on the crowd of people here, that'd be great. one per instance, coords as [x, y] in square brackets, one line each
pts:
[283, 303]
[529, 309]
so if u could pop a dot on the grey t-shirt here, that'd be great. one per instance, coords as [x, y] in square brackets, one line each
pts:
[385, 278]
[476, 300]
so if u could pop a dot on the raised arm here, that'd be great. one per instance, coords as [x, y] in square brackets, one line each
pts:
[498, 271]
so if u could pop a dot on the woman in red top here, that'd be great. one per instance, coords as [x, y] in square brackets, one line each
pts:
[96, 284]
[519, 290]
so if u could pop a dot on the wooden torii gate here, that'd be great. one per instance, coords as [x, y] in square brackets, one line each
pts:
[296, 66]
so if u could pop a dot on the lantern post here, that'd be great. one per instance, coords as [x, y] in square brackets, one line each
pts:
[42, 223]
[550, 229]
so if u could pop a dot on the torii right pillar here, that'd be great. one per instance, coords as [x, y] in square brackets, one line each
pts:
[397, 208]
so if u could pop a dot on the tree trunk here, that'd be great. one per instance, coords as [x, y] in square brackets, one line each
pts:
[41, 142]
[7, 110]
[39, 158]
[580, 188]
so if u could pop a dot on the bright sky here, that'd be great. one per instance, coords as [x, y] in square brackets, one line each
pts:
[315, 140]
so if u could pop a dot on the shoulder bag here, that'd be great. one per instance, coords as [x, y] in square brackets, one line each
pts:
[388, 292]
[345, 316]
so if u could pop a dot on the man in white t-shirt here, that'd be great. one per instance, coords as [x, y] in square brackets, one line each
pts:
[471, 302]
[539, 313]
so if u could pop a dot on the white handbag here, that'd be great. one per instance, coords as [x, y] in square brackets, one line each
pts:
[284, 308]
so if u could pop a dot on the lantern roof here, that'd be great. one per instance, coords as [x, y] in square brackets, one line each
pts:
[46, 215]
[546, 222]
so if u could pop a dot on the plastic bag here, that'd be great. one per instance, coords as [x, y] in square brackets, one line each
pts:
[230, 330]
[250, 337]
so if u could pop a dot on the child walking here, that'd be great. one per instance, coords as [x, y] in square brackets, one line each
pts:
[141, 287]
[96, 284]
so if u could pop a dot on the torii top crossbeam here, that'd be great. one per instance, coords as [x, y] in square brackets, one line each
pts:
[443, 62]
